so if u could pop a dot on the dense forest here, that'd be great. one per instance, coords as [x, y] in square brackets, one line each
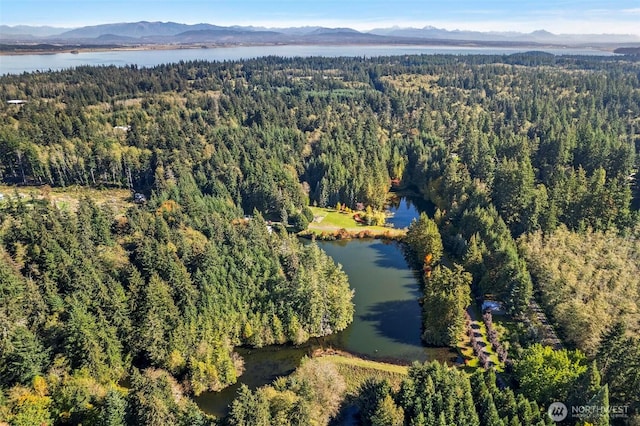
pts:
[430, 394]
[118, 317]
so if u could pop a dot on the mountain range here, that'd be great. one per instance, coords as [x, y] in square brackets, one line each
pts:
[136, 33]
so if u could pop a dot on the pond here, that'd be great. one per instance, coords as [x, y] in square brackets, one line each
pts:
[386, 324]
[387, 320]
[404, 209]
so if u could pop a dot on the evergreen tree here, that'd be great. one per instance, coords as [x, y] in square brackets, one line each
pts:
[114, 409]
[424, 239]
[446, 297]
[23, 358]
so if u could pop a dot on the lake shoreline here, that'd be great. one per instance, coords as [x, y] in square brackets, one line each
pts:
[347, 234]
[132, 48]
[53, 49]
[43, 58]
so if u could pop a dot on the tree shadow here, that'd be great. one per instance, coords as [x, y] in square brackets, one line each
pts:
[389, 255]
[415, 290]
[398, 320]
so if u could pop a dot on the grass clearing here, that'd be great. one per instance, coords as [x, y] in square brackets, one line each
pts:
[330, 220]
[471, 362]
[69, 197]
[356, 370]
[411, 82]
[488, 348]
[465, 348]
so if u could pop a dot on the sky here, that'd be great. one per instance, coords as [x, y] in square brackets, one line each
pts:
[557, 16]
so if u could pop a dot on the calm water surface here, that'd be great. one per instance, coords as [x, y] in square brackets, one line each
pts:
[386, 324]
[404, 209]
[17, 64]
[387, 321]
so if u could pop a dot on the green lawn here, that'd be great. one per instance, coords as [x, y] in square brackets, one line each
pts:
[489, 349]
[466, 350]
[330, 220]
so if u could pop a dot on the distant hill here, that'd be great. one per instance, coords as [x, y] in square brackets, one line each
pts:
[116, 39]
[293, 30]
[30, 31]
[539, 36]
[632, 51]
[135, 29]
[227, 36]
[323, 30]
[437, 33]
[128, 33]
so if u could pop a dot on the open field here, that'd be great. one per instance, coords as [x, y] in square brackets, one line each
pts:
[357, 370]
[68, 198]
[329, 221]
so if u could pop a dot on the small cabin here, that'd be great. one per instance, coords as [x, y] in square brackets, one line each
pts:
[139, 198]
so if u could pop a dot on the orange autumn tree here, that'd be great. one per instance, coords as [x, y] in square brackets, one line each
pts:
[427, 265]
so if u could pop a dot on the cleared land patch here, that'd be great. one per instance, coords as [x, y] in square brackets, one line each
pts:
[356, 370]
[69, 197]
[328, 221]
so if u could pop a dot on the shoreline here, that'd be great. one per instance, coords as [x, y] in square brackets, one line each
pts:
[343, 234]
[52, 49]
[132, 48]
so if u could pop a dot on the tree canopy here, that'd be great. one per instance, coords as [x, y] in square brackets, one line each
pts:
[159, 293]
